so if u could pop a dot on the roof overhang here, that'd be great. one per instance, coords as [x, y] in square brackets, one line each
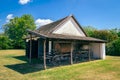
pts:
[65, 37]
[37, 34]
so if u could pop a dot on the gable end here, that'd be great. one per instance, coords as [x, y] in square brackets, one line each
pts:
[70, 27]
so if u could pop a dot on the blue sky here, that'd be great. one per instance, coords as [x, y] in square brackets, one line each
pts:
[101, 14]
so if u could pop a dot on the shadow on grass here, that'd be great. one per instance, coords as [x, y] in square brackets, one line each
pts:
[25, 68]
[33, 61]
[35, 66]
[23, 58]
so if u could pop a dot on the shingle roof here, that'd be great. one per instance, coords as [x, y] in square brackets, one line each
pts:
[49, 27]
[46, 32]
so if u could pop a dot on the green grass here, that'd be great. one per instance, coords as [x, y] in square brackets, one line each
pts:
[13, 66]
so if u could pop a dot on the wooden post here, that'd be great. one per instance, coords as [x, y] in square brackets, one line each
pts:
[38, 48]
[50, 46]
[30, 48]
[89, 52]
[71, 54]
[44, 54]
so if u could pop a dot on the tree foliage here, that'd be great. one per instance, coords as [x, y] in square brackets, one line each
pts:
[108, 35]
[105, 35]
[16, 28]
[4, 42]
[115, 31]
[113, 48]
[89, 30]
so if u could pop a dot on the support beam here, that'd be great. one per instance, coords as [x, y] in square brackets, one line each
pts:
[50, 46]
[71, 54]
[89, 52]
[45, 54]
[30, 55]
[38, 48]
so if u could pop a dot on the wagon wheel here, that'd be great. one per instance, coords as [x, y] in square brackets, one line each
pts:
[56, 60]
[77, 57]
[74, 58]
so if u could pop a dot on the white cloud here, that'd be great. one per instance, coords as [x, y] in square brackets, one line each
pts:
[24, 1]
[40, 22]
[9, 16]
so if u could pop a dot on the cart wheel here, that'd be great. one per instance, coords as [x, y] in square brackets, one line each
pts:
[56, 60]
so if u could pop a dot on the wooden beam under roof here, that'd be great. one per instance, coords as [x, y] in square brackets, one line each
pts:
[44, 56]
[37, 34]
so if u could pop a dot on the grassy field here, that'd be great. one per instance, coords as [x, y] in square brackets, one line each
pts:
[13, 66]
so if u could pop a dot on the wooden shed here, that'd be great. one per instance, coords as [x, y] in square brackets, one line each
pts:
[64, 36]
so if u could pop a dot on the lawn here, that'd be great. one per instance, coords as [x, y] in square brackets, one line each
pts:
[13, 66]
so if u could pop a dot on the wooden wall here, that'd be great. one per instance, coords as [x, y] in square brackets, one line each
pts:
[63, 47]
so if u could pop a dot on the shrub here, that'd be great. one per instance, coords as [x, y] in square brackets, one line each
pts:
[4, 42]
[113, 48]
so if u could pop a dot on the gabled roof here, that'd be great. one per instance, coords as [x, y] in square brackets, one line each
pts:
[49, 28]
[46, 31]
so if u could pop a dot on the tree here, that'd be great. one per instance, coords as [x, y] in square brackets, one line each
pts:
[89, 30]
[115, 31]
[105, 35]
[16, 28]
[4, 42]
[113, 48]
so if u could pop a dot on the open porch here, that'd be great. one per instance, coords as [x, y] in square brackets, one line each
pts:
[62, 51]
